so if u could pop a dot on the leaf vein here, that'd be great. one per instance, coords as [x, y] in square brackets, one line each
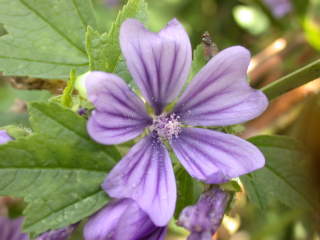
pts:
[46, 62]
[53, 27]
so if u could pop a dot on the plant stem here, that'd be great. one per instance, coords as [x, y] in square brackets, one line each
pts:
[293, 80]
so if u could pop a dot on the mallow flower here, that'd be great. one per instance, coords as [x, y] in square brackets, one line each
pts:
[219, 95]
[122, 220]
[204, 218]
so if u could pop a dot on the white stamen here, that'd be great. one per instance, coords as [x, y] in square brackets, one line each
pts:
[166, 126]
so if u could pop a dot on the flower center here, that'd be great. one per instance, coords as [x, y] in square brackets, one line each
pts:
[166, 126]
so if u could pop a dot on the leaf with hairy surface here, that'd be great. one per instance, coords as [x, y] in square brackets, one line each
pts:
[45, 38]
[284, 176]
[104, 49]
[58, 170]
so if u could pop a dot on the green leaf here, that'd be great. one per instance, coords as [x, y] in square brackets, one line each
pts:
[104, 49]
[52, 120]
[283, 177]
[189, 190]
[58, 170]
[66, 98]
[231, 186]
[7, 118]
[198, 61]
[45, 38]
[9, 95]
[16, 132]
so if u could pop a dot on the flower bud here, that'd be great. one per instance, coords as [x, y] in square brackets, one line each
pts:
[204, 218]
[80, 85]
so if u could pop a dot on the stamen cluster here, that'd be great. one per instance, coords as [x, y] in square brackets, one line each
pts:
[166, 126]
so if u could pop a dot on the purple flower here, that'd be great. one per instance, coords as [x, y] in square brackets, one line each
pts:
[4, 137]
[279, 8]
[122, 220]
[59, 234]
[10, 229]
[204, 218]
[219, 95]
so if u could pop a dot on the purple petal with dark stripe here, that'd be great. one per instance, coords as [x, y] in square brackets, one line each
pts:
[121, 220]
[215, 157]
[158, 62]
[158, 234]
[220, 95]
[10, 229]
[58, 234]
[145, 174]
[119, 115]
[4, 137]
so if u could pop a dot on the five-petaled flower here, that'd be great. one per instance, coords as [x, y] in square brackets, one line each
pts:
[219, 95]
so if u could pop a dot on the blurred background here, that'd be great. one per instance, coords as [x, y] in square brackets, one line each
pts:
[282, 35]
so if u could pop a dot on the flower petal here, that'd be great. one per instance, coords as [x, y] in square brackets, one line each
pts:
[219, 95]
[158, 62]
[120, 115]
[158, 234]
[145, 174]
[110, 222]
[215, 157]
[58, 234]
[10, 229]
[4, 137]
[204, 218]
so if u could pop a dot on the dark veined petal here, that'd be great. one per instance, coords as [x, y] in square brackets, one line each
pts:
[4, 137]
[158, 62]
[204, 218]
[58, 234]
[145, 174]
[119, 115]
[120, 220]
[10, 229]
[158, 234]
[215, 157]
[219, 94]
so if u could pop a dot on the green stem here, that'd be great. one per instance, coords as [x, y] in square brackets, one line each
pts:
[293, 80]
